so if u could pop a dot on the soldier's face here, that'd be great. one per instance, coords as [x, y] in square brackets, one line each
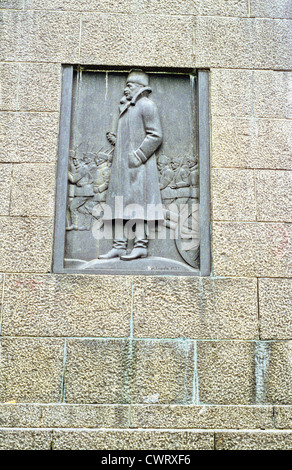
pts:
[131, 90]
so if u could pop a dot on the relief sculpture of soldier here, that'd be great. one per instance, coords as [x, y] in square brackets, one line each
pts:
[134, 177]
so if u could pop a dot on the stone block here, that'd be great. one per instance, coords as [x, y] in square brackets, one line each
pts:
[33, 190]
[279, 373]
[13, 4]
[226, 372]
[233, 194]
[8, 86]
[271, 8]
[163, 372]
[32, 415]
[25, 439]
[25, 244]
[272, 94]
[242, 43]
[253, 143]
[252, 249]
[39, 87]
[275, 313]
[173, 307]
[283, 417]
[122, 6]
[67, 305]
[130, 439]
[40, 36]
[274, 195]
[96, 371]
[29, 137]
[201, 417]
[231, 92]
[253, 440]
[5, 188]
[147, 40]
[31, 369]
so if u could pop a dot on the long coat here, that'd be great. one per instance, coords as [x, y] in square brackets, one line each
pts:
[139, 130]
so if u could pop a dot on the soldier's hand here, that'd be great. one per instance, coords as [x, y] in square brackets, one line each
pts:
[111, 137]
[134, 160]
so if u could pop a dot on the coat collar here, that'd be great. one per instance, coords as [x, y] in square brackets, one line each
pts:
[134, 100]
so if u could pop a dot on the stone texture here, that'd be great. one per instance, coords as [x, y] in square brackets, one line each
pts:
[28, 137]
[163, 372]
[5, 188]
[279, 374]
[67, 305]
[147, 40]
[252, 249]
[274, 195]
[39, 87]
[173, 307]
[225, 372]
[33, 190]
[8, 86]
[233, 194]
[271, 8]
[251, 143]
[40, 36]
[253, 440]
[14, 4]
[231, 92]
[96, 371]
[201, 417]
[132, 440]
[242, 43]
[275, 308]
[31, 369]
[32, 415]
[28, 439]
[25, 244]
[283, 417]
[123, 6]
[272, 94]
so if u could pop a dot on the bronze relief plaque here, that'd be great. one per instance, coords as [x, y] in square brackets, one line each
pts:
[131, 173]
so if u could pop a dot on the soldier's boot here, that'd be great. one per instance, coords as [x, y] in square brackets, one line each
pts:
[139, 250]
[74, 222]
[119, 249]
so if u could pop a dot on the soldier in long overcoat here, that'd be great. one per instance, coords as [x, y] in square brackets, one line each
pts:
[134, 192]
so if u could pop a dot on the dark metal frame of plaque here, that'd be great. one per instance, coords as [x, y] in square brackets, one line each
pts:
[161, 264]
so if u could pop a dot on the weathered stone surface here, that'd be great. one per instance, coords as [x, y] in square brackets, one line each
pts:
[272, 94]
[25, 244]
[231, 92]
[173, 307]
[32, 415]
[233, 194]
[163, 372]
[113, 39]
[28, 439]
[275, 308]
[39, 87]
[67, 305]
[252, 249]
[274, 195]
[279, 374]
[201, 417]
[122, 6]
[96, 371]
[271, 8]
[8, 86]
[1, 291]
[40, 36]
[253, 143]
[31, 369]
[242, 43]
[225, 372]
[28, 137]
[253, 440]
[129, 439]
[14, 4]
[5, 188]
[283, 417]
[33, 190]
